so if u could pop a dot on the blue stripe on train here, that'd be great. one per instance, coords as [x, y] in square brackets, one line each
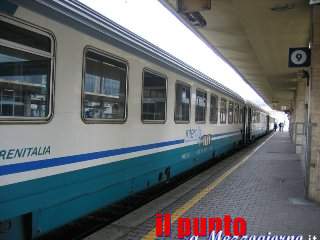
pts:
[53, 162]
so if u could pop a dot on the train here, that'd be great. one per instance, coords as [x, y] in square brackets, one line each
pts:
[91, 113]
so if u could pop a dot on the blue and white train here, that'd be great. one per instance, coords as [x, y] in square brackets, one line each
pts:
[90, 113]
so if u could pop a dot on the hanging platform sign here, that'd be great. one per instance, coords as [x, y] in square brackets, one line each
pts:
[313, 2]
[299, 57]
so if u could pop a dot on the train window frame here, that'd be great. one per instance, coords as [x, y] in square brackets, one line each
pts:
[221, 114]
[214, 121]
[26, 49]
[230, 120]
[149, 70]
[241, 111]
[112, 57]
[253, 115]
[182, 83]
[236, 114]
[205, 108]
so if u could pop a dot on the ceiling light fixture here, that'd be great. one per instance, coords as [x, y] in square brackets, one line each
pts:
[282, 7]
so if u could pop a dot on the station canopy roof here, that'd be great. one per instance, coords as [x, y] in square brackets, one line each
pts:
[254, 36]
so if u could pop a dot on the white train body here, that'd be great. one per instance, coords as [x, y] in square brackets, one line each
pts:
[62, 166]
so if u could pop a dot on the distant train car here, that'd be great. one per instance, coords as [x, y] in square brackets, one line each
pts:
[257, 122]
[270, 122]
[91, 113]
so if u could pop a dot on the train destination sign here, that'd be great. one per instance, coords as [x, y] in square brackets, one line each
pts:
[299, 57]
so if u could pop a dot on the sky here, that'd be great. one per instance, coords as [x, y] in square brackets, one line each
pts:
[160, 27]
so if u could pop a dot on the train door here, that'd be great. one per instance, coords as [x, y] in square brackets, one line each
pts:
[249, 122]
[268, 124]
[244, 123]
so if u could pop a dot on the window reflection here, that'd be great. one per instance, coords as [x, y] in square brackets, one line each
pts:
[213, 109]
[230, 112]
[104, 87]
[154, 97]
[223, 110]
[24, 84]
[182, 109]
[201, 105]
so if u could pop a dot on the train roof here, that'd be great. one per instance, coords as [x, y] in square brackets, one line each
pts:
[256, 106]
[82, 17]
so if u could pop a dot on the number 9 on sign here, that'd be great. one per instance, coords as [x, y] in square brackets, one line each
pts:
[299, 57]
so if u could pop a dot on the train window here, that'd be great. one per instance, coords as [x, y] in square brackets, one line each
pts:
[236, 113]
[252, 116]
[230, 112]
[154, 97]
[182, 108]
[26, 64]
[255, 116]
[223, 110]
[213, 108]
[201, 106]
[104, 87]
[241, 114]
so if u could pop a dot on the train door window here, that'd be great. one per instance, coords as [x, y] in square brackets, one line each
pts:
[236, 113]
[252, 115]
[201, 106]
[213, 108]
[241, 114]
[182, 107]
[104, 87]
[154, 97]
[230, 112]
[256, 116]
[26, 65]
[223, 111]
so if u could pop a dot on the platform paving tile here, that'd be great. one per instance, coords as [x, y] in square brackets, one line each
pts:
[267, 190]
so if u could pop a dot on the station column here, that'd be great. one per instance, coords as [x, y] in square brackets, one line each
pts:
[314, 110]
[292, 122]
[300, 114]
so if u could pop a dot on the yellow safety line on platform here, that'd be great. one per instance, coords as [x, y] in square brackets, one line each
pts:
[185, 207]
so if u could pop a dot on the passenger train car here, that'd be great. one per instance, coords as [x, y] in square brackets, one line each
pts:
[90, 113]
[257, 122]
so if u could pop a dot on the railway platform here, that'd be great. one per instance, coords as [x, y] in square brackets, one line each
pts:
[262, 184]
